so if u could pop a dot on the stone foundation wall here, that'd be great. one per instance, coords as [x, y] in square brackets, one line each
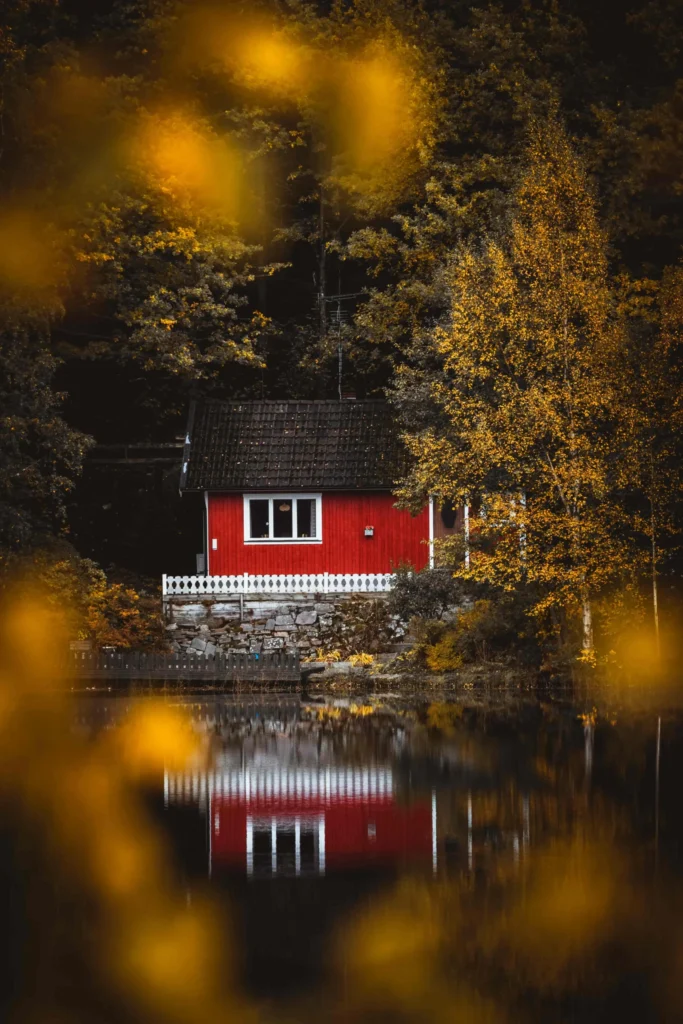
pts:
[212, 625]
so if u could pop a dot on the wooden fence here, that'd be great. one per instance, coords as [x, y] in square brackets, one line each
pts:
[276, 666]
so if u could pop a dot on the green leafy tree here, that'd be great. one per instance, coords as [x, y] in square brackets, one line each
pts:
[40, 455]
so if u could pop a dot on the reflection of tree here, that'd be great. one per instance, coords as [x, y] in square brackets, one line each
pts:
[560, 923]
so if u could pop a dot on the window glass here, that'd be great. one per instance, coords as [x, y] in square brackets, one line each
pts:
[258, 513]
[448, 514]
[283, 517]
[305, 517]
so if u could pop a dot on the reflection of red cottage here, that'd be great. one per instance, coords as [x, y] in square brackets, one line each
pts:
[301, 488]
[296, 821]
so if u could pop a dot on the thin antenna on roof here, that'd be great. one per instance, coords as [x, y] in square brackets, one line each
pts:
[322, 310]
[339, 336]
[338, 315]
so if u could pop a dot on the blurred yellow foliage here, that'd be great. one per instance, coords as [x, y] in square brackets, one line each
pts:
[570, 908]
[366, 102]
[184, 158]
[374, 119]
[393, 945]
[268, 60]
[391, 954]
[173, 963]
[29, 255]
[144, 948]
[154, 737]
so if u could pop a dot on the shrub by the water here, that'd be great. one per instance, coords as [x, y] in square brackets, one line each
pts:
[493, 628]
[427, 594]
[364, 626]
[105, 612]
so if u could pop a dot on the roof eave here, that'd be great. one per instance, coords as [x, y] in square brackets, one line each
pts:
[294, 488]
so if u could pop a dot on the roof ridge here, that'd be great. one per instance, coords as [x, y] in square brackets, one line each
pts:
[292, 401]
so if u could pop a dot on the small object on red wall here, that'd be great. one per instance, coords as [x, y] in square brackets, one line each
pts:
[369, 531]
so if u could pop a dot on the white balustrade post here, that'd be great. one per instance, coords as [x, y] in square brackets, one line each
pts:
[294, 583]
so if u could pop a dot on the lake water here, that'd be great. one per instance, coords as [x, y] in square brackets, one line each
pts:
[418, 860]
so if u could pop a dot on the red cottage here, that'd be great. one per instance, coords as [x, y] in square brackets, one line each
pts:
[306, 819]
[298, 496]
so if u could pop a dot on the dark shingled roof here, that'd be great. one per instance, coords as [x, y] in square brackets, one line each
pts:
[332, 445]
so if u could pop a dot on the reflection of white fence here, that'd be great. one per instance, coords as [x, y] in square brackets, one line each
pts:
[252, 783]
[295, 583]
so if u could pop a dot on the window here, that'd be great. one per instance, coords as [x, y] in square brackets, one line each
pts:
[287, 519]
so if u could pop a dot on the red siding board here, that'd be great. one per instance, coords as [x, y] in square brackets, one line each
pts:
[399, 537]
[396, 832]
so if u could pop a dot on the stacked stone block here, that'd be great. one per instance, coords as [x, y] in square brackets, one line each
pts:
[217, 625]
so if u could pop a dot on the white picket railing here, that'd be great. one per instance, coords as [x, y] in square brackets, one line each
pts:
[296, 583]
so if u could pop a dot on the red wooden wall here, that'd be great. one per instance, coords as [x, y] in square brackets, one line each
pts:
[399, 831]
[399, 537]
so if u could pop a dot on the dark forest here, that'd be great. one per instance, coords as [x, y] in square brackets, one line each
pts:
[473, 209]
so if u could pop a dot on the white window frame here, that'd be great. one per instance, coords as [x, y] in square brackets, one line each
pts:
[293, 496]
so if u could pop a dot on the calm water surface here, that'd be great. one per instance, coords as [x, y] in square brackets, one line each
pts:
[418, 861]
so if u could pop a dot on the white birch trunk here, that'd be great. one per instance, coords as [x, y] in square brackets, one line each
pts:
[466, 517]
[655, 589]
[587, 643]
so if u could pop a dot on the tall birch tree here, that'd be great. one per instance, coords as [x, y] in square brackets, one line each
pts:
[527, 396]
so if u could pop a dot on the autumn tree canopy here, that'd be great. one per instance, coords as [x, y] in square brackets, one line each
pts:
[473, 207]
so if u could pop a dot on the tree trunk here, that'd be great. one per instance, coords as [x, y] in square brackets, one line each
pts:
[653, 536]
[466, 517]
[587, 642]
[655, 596]
[522, 532]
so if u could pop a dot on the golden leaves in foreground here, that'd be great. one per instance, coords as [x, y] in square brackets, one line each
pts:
[186, 160]
[86, 841]
[367, 101]
[267, 60]
[29, 252]
[154, 737]
[568, 922]
[551, 933]
[391, 958]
